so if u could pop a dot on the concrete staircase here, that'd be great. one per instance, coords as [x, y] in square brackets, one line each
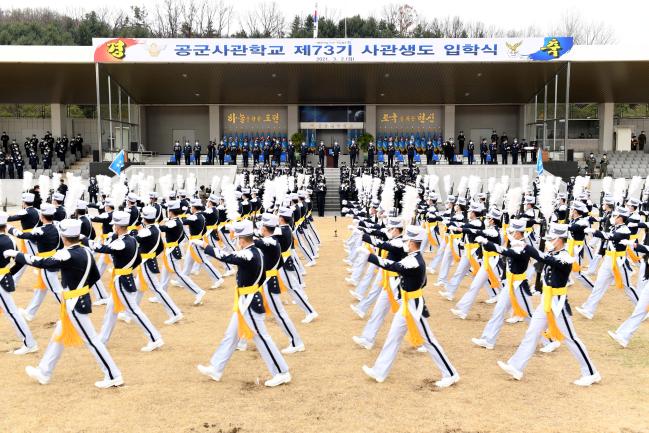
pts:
[81, 167]
[332, 199]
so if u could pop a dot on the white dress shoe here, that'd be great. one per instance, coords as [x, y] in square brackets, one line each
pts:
[28, 317]
[209, 371]
[176, 283]
[198, 300]
[618, 338]
[362, 342]
[584, 313]
[351, 281]
[491, 300]
[242, 345]
[109, 383]
[550, 347]
[36, 374]
[24, 350]
[588, 380]
[310, 317]
[357, 310]
[431, 271]
[293, 349]
[153, 345]
[457, 313]
[308, 265]
[438, 284]
[518, 375]
[482, 343]
[422, 349]
[355, 295]
[278, 379]
[174, 319]
[195, 272]
[514, 319]
[218, 284]
[229, 273]
[370, 372]
[124, 317]
[154, 300]
[447, 381]
[100, 302]
[444, 294]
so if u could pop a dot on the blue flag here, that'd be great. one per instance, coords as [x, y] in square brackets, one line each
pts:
[118, 163]
[539, 163]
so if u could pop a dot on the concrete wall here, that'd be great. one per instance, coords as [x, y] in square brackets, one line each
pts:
[162, 120]
[253, 120]
[502, 118]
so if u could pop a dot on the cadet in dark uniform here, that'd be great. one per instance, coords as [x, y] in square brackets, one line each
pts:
[460, 144]
[197, 153]
[78, 273]
[470, 149]
[266, 150]
[10, 166]
[187, 152]
[290, 151]
[256, 151]
[33, 160]
[125, 255]
[177, 151]
[19, 163]
[370, 154]
[430, 149]
[320, 193]
[245, 152]
[412, 313]
[93, 190]
[304, 149]
[196, 224]
[391, 152]
[336, 151]
[5, 141]
[322, 150]
[210, 152]
[221, 150]
[3, 166]
[353, 153]
[410, 150]
[249, 311]
[7, 286]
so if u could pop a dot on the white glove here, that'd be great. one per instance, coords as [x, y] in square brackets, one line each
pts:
[481, 240]
[362, 254]
[627, 242]
[454, 229]
[10, 253]
[15, 232]
[197, 242]
[589, 230]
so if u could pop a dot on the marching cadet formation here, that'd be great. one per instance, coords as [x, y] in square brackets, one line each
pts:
[148, 246]
[528, 246]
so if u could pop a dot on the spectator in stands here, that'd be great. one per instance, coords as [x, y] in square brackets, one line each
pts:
[603, 166]
[642, 140]
[5, 141]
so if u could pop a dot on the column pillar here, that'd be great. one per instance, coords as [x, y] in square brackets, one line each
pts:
[606, 112]
[58, 119]
[215, 122]
[449, 121]
[370, 120]
[292, 120]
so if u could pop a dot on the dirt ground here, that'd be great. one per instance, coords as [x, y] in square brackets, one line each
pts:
[329, 392]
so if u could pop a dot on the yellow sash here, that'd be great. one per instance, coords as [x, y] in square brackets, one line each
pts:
[22, 245]
[632, 255]
[106, 257]
[40, 284]
[286, 254]
[165, 260]
[132, 228]
[244, 330]
[140, 274]
[429, 231]
[468, 249]
[4, 271]
[518, 311]
[548, 293]
[414, 337]
[571, 251]
[192, 251]
[118, 307]
[275, 273]
[505, 238]
[451, 237]
[616, 269]
[494, 281]
[394, 305]
[69, 335]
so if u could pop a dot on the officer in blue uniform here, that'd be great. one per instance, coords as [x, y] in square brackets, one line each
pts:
[248, 318]
[78, 273]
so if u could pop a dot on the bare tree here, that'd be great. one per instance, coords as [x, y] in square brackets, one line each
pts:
[402, 17]
[168, 20]
[266, 20]
[584, 32]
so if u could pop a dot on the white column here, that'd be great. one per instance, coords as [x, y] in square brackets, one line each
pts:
[141, 116]
[58, 120]
[522, 121]
[292, 120]
[215, 122]
[606, 112]
[449, 121]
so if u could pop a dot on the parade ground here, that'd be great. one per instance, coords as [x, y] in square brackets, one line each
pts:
[163, 391]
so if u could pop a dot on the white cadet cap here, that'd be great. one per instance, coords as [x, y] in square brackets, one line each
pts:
[182, 193]
[243, 228]
[109, 202]
[621, 211]
[529, 199]
[579, 206]
[414, 233]
[196, 202]
[215, 198]
[70, 228]
[149, 212]
[494, 214]
[28, 197]
[557, 231]
[153, 194]
[58, 196]
[394, 223]
[270, 220]
[286, 212]
[48, 209]
[82, 204]
[121, 218]
[517, 225]
[632, 201]
[3, 218]
[174, 205]
[132, 197]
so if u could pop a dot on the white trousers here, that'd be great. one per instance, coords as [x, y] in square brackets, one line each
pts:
[447, 262]
[52, 284]
[380, 312]
[371, 271]
[153, 284]
[398, 330]
[461, 271]
[295, 290]
[439, 253]
[538, 325]
[282, 318]
[481, 279]
[605, 278]
[86, 331]
[183, 278]
[267, 349]
[502, 308]
[15, 318]
[630, 325]
[190, 262]
[375, 290]
[129, 301]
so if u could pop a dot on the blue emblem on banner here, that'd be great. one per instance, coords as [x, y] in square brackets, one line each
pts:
[553, 48]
